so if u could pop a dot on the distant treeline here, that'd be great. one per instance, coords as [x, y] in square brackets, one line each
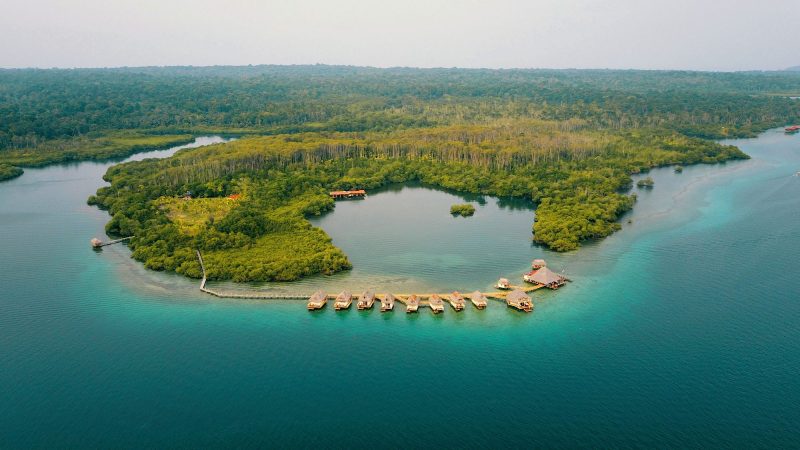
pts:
[41, 105]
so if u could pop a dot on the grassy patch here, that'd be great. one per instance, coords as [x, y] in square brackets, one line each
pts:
[191, 215]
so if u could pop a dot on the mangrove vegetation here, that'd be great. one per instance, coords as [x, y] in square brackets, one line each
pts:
[567, 140]
[463, 210]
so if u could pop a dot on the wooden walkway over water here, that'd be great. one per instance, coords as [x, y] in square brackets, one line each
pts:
[97, 243]
[402, 298]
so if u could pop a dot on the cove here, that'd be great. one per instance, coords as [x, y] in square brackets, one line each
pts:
[678, 331]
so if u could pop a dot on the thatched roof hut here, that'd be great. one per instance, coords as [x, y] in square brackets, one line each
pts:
[436, 304]
[96, 243]
[412, 304]
[343, 300]
[456, 300]
[387, 304]
[317, 300]
[547, 277]
[503, 283]
[478, 299]
[520, 300]
[538, 264]
[366, 300]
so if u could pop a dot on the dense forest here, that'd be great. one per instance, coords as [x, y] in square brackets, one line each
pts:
[577, 178]
[566, 139]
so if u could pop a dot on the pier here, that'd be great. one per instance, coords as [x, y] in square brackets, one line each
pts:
[97, 243]
[514, 296]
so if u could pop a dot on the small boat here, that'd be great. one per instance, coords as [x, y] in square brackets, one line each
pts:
[366, 300]
[343, 301]
[436, 304]
[478, 299]
[412, 304]
[792, 129]
[503, 284]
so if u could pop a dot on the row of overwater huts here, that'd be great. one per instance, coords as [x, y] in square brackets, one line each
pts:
[517, 299]
[540, 277]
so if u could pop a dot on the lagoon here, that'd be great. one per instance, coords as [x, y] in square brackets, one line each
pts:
[678, 331]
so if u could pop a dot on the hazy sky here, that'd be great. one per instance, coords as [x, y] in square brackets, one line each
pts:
[660, 34]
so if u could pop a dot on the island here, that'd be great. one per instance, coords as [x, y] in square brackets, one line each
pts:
[463, 210]
[567, 141]
[645, 183]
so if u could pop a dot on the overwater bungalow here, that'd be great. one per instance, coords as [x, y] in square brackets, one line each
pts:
[387, 303]
[366, 300]
[518, 299]
[96, 243]
[317, 301]
[545, 277]
[503, 283]
[412, 304]
[456, 301]
[538, 264]
[436, 304]
[479, 300]
[343, 300]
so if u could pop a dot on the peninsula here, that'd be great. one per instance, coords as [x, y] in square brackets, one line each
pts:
[568, 141]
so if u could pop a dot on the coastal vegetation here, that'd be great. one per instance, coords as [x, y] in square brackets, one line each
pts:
[463, 210]
[97, 146]
[8, 172]
[577, 183]
[566, 140]
[645, 183]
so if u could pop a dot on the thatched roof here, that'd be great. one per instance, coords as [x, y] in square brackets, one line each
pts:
[318, 297]
[546, 276]
[517, 297]
[477, 296]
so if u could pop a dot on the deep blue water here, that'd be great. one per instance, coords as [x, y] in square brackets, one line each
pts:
[679, 331]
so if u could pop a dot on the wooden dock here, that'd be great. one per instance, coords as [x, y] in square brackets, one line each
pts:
[97, 243]
[367, 299]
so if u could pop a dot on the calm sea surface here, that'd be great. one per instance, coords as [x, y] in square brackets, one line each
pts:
[682, 330]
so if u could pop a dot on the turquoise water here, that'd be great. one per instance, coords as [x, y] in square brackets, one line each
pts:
[680, 330]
